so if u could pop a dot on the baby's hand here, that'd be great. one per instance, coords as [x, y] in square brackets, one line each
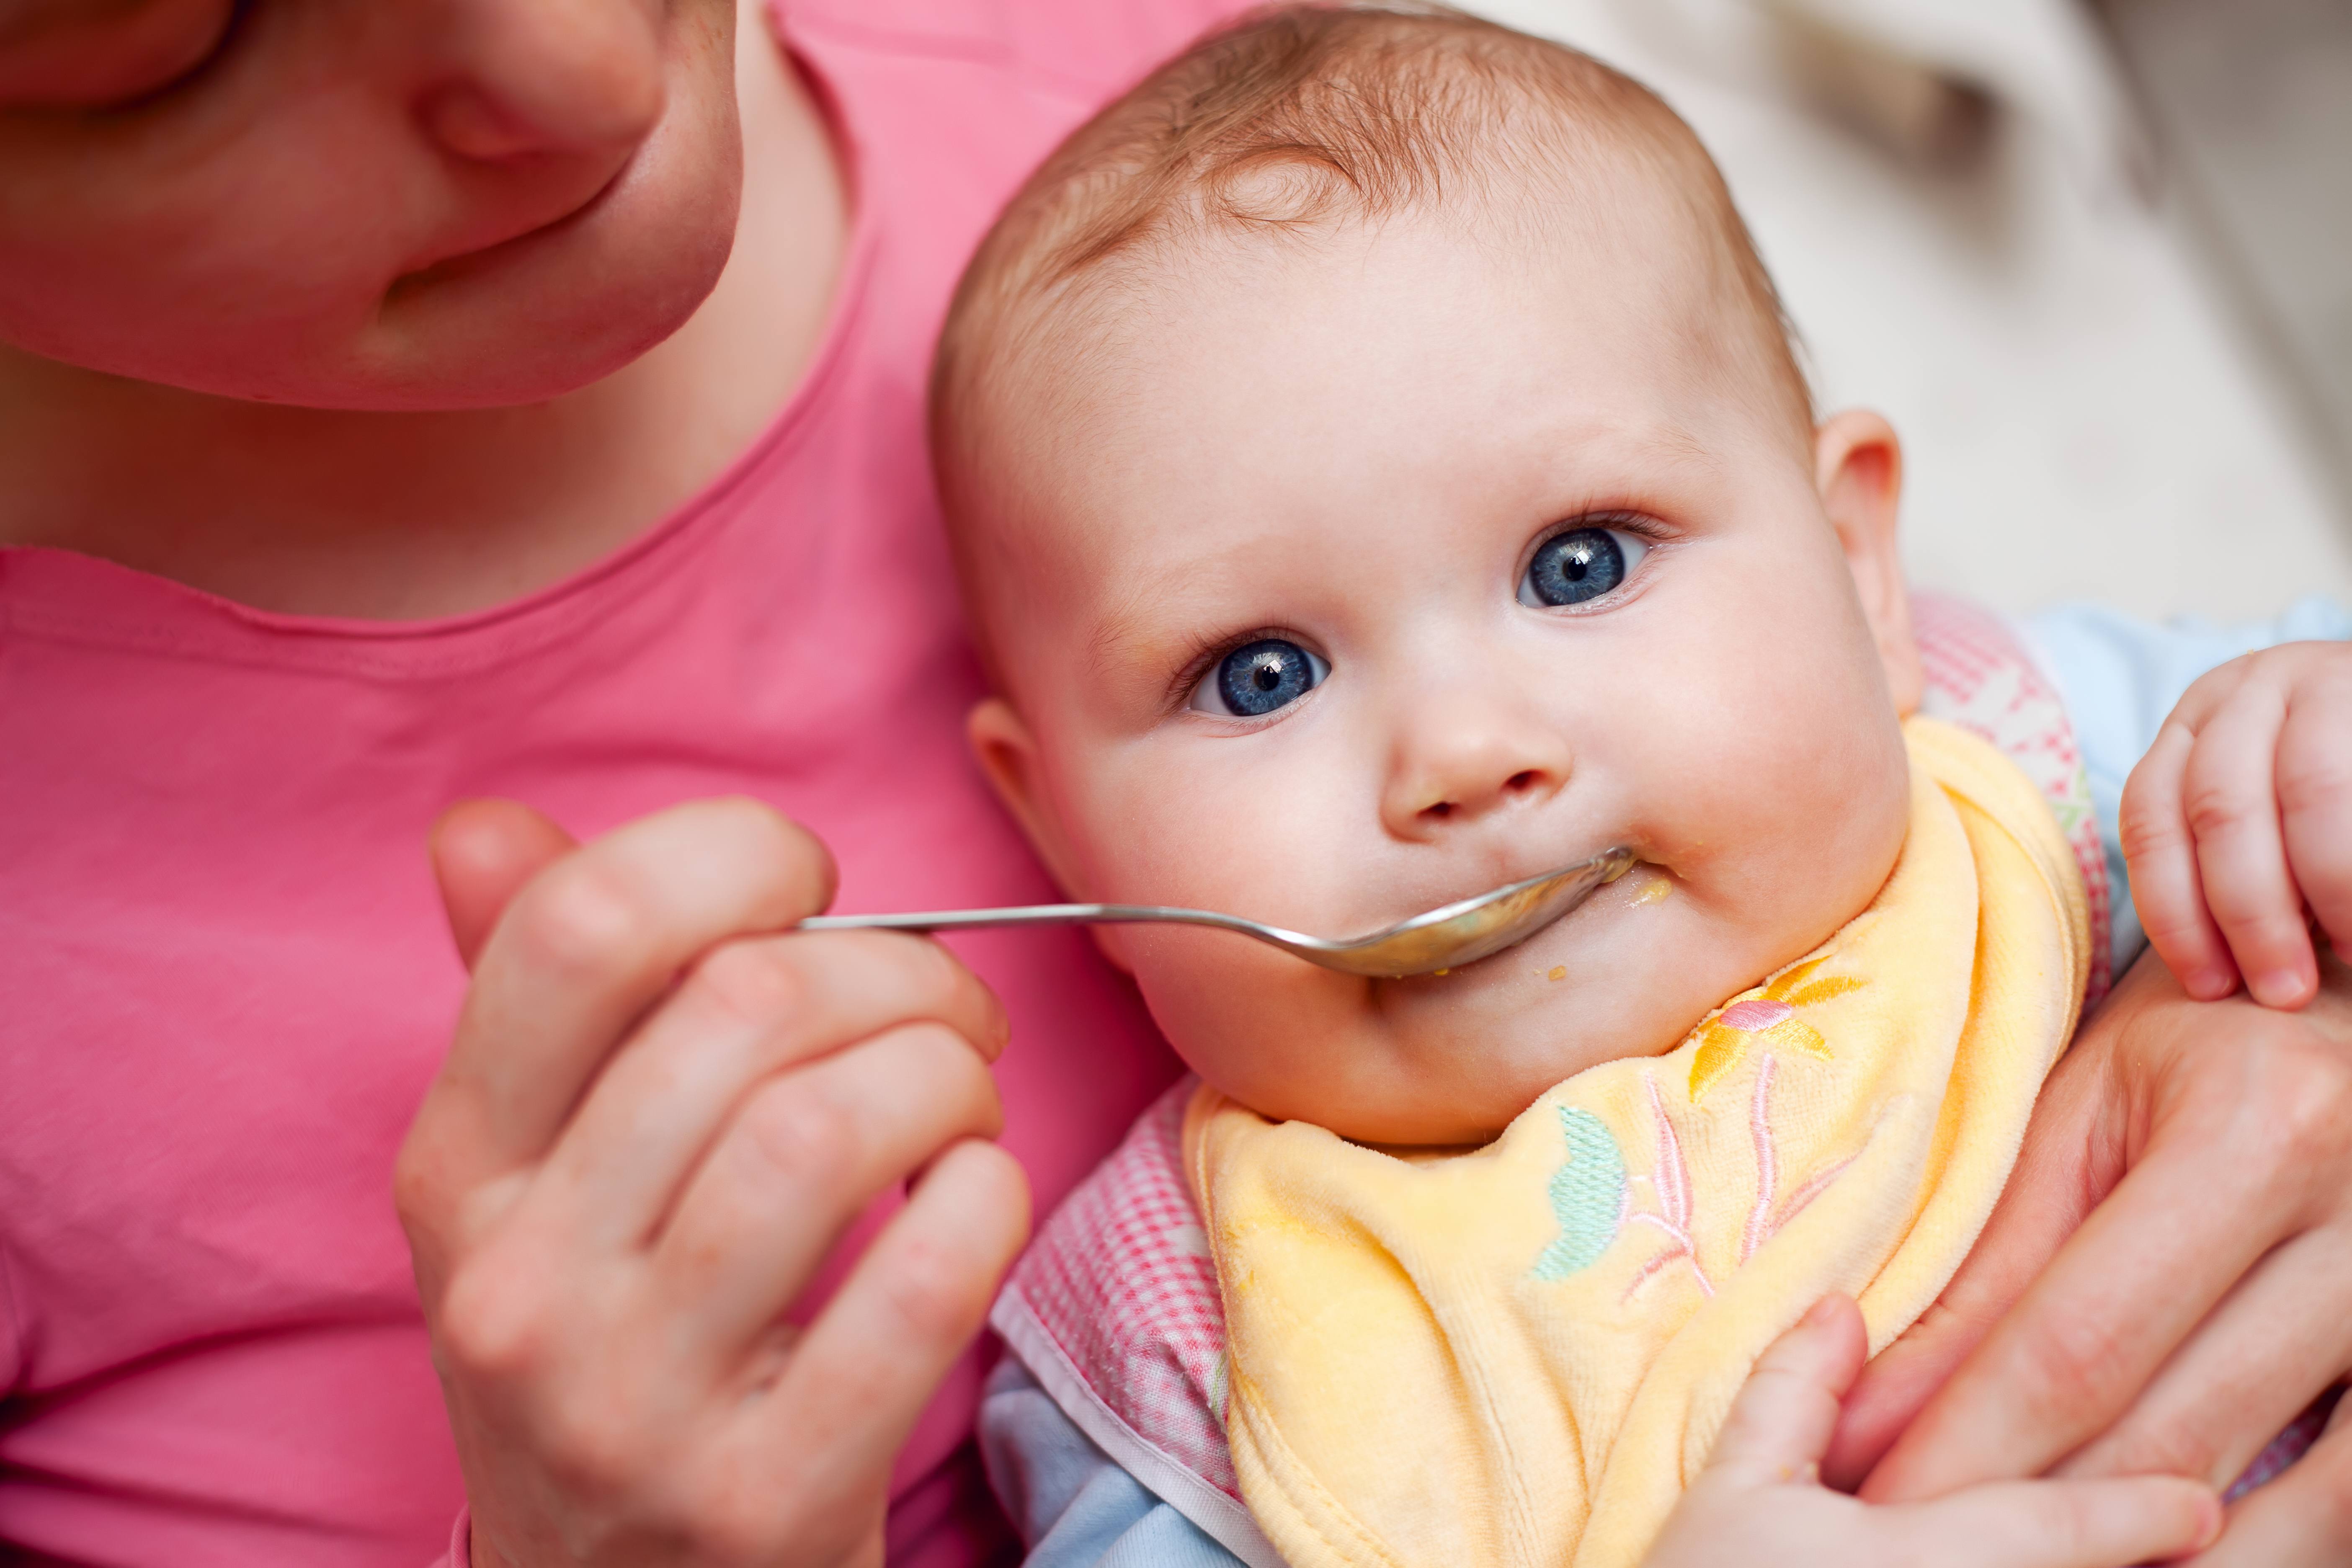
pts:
[2239, 816]
[1760, 1501]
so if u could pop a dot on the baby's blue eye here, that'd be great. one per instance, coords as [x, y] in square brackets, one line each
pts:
[1258, 677]
[1580, 564]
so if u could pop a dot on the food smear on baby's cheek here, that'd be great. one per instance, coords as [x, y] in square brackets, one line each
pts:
[1559, 972]
[1653, 892]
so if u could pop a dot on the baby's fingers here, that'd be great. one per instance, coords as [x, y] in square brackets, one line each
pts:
[1780, 1423]
[2066, 1524]
[2232, 795]
[2314, 791]
[2161, 854]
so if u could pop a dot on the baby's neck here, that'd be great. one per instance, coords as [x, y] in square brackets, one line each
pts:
[411, 516]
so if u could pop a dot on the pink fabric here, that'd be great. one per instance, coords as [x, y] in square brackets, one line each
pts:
[1115, 1309]
[1981, 677]
[224, 978]
[1119, 1292]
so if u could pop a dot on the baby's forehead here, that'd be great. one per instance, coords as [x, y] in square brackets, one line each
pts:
[1438, 310]
[1464, 316]
[1625, 230]
[1294, 128]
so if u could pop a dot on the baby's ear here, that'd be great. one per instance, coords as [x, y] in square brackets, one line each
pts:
[1008, 754]
[1858, 470]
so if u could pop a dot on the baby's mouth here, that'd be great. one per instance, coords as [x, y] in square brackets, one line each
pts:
[1503, 920]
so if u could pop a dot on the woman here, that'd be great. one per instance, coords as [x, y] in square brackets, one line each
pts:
[414, 403]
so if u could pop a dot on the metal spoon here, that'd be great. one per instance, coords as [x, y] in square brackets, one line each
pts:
[1457, 933]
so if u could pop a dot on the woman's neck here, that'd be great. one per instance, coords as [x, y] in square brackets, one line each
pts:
[411, 516]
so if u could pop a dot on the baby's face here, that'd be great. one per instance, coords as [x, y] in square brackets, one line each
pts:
[1357, 579]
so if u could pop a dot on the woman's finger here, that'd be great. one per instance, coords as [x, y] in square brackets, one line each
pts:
[2068, 1524]
[2314, 790]
[1781, 1421]
[2161, 853]
[586, 947]
[2302, 1520]
[483, 853]
[803, 1157]
[748, 1010]
[856, 1380]
[2252, 1366]
[2230, 794]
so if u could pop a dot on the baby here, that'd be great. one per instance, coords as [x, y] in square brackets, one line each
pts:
[1380, 472]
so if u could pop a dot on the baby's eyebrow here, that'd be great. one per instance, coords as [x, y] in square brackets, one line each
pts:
[1152, 627]
[1126, 633]
[1668, 439]
[1625, 441]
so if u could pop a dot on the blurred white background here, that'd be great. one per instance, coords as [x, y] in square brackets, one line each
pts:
[2253, 100]
[2097, 267]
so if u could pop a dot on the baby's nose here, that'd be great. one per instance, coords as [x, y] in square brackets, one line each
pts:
[1467, 771]
[547, 75]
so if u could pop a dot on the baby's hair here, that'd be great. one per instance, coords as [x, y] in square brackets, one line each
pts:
[1301, 118]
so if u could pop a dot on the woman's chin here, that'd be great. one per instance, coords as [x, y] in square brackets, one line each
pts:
[547, 313]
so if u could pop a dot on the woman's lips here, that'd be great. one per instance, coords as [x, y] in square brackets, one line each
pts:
[472, 255]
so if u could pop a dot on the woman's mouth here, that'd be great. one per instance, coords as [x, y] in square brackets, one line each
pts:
[473, 255]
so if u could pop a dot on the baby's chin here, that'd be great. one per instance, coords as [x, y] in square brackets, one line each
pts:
[1421, 1067]
[1439, 1094]
[1452, 1059]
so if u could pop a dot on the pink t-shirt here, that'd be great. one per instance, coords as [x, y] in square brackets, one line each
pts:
[224, 975]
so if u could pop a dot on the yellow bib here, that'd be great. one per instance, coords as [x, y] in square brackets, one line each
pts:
[1518, 1356]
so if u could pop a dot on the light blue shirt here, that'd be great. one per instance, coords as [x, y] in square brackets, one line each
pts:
[1067, 1498]
[2120, 676]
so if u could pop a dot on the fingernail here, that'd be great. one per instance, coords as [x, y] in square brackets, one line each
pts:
[2278, 988]
[2209, 1528]
[1823, 1313]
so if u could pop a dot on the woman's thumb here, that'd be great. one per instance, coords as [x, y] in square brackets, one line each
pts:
[483, 852]
[1780, 1423]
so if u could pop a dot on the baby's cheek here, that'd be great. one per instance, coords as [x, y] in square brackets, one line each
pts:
[1787, 804]
[1252, 1021]
[1840, 813]
[1238, 827]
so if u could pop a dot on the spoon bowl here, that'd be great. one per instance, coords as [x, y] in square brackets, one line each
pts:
[1443, 938]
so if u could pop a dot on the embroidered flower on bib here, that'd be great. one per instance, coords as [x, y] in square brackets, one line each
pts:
[1767, 1016]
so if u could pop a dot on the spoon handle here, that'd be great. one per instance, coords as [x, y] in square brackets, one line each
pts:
[1035, 915]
